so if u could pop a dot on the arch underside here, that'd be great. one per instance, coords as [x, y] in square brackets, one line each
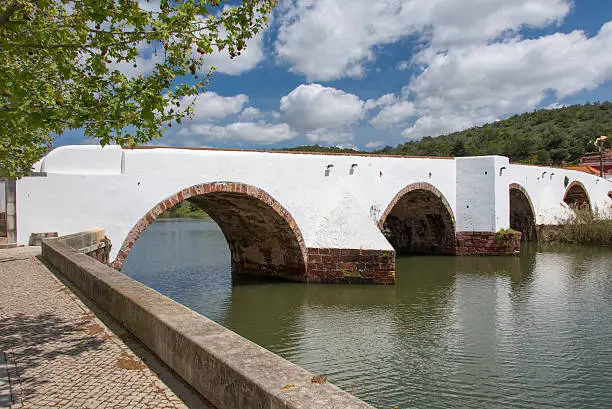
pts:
[420, 223]
[263, 238]
[522, 217]
[576, 196]
[260, 240]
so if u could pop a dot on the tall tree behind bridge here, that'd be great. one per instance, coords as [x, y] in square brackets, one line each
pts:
[59, 67]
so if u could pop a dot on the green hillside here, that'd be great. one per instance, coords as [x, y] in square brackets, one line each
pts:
[548, 136]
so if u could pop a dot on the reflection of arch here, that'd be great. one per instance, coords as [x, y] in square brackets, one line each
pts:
[419, 220]
[263, 237]
[522, 213]
[577, 195]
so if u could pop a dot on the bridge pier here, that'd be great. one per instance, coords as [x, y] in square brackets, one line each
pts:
[351, 265]
[483, 207]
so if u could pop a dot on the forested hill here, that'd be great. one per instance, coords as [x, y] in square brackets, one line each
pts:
[543, 137]
[550, 136]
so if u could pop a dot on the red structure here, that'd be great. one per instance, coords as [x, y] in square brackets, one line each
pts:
[593, 161]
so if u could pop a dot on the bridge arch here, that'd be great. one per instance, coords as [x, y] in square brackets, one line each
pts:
[263, 237]
[522, 213]
[419, 220]
[576, 194]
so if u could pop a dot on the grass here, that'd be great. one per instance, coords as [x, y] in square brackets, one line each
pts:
[583, 228]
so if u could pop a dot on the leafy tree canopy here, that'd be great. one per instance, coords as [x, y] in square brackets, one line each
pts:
[545, 137]
[59, 67]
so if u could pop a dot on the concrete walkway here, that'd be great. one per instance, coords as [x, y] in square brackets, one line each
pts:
[56, 353]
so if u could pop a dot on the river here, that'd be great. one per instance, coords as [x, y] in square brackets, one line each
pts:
[533, 331]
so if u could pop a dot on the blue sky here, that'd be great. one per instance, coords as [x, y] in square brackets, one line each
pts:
[365, 74]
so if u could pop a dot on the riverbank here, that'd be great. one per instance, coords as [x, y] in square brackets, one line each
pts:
[583, 228]
[60, 352]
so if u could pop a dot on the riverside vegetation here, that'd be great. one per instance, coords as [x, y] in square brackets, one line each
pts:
[184, 210]
[584, 227]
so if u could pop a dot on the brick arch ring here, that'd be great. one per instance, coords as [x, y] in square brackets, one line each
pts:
[200, 190]
[521, 189]
[584, 189]
[411, 187]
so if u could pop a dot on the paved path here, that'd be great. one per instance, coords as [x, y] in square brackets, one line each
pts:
[56, 353]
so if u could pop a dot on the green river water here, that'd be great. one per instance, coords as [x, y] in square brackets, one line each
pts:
[533, 331]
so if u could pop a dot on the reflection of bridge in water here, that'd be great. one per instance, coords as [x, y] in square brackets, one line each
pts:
[304, 217]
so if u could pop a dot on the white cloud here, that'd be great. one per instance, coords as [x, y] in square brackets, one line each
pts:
[393, 114]
[313, 106]
[246, 61]
[145, 61]
[329, 136]
[258, 133]
[149, 5]
[476, 21]
[402, 65]
[148, 55]
[210, 105]
[374, 144]
[250, 113]
[471, 85]
[386, 99]
[428, 125]
[330, 39]
[555, 105]
[347, 146]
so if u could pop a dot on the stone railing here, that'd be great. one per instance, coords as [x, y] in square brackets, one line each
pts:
[228, 370]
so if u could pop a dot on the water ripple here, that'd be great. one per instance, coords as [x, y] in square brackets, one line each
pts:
[460, 332]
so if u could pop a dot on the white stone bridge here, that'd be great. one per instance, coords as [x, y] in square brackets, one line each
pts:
[305, 217]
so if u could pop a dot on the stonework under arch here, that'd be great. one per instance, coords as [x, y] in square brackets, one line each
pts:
[419, 220]
[522, 213]
[576, 194]
[263, 237]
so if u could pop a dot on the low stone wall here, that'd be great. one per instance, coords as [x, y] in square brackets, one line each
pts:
[230, 371]
[351, 266]
[486, 244]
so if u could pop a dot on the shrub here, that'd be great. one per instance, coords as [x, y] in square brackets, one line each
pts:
[506, 237]
[583, 227]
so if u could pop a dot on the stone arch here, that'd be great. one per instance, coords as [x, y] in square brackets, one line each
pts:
[419, 220]
[576, 194]
[263, 237]
[522, 213]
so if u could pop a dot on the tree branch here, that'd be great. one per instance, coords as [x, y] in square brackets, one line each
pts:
[10, 10]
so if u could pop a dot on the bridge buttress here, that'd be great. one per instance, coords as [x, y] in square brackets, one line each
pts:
[483, 206]
[351, 265]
